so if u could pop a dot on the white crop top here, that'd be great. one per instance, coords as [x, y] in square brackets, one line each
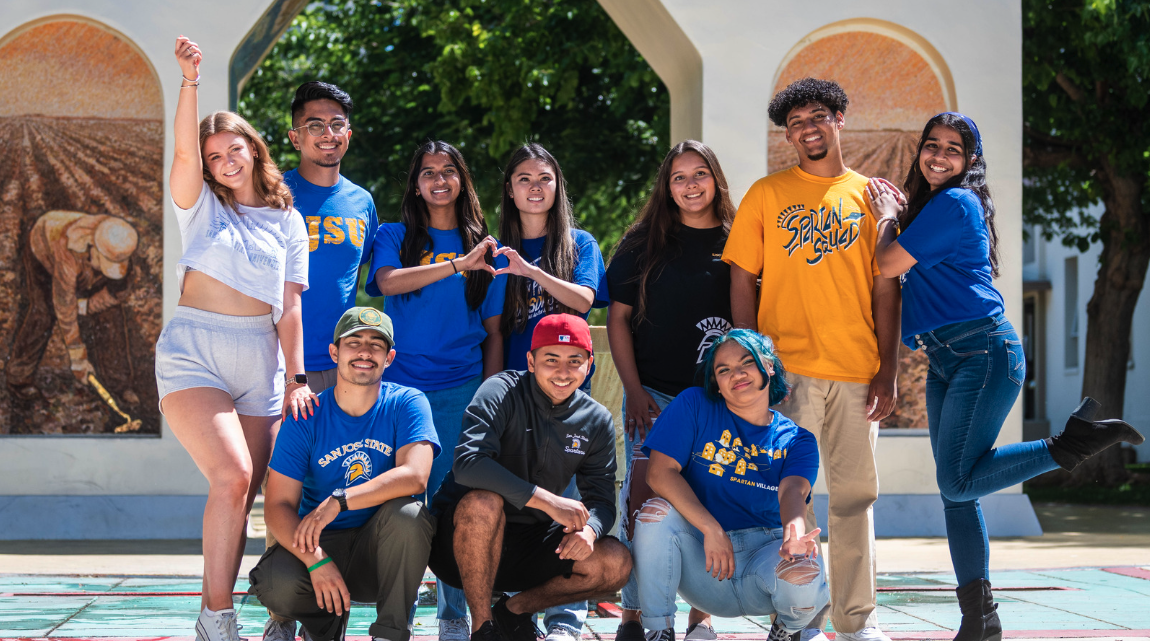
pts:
[253, 251]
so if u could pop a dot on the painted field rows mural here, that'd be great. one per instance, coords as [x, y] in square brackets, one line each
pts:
[81, 157]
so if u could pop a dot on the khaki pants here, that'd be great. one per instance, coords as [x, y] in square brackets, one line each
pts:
[835, 412]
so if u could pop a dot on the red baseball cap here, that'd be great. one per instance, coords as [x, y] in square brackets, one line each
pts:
[562, 329]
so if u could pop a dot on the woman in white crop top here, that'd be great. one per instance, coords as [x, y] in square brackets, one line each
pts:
[219, 367]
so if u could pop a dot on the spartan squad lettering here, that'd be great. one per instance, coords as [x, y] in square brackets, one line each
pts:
[822, 231]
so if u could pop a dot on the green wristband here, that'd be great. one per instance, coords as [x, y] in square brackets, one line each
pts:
[317, 565]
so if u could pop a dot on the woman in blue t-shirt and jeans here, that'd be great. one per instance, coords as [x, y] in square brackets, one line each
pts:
[445, 307]
[947, 255]
[734, 478]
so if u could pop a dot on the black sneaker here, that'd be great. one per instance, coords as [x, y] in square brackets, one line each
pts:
[667, 634]
[630, 631]
[487, 632]
[515, 627]
[779, 633]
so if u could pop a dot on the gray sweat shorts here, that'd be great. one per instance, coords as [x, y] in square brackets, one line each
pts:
[237, 354]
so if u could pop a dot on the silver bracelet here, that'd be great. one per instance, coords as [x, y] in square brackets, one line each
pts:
[197, 79]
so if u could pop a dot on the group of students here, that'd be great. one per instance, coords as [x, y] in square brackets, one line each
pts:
[485, 350]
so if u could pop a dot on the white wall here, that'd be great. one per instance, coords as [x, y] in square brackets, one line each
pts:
[110, 465]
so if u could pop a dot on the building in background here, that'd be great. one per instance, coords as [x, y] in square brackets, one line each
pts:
[1058, 282]
[721, 63]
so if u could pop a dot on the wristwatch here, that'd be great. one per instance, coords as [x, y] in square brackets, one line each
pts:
[340, 495]
[299, 379]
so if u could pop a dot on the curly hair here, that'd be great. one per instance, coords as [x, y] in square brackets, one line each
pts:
[801, 93]
[762, 349]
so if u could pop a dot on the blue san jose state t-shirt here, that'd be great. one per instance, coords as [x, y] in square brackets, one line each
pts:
[332, 449]
[952, 280]
[589, 271]
[437, 335]
[733, 467]
[341, 224]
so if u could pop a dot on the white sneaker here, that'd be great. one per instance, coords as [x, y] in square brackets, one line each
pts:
[813, 634]
[866, 634]
[219, 627]
[279, 630]
[559, 633]
[454, 629]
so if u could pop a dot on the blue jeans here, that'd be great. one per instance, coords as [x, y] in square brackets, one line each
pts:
[669, 557]
[630, 592]
[976, 371]
[447, 407]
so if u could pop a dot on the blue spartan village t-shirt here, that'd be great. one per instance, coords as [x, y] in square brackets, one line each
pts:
[589, 271]
[733, 467]
[952, 280]
[332, 449]
[437, 335]
[341, 224]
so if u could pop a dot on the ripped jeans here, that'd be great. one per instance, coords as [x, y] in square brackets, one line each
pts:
[669, 556]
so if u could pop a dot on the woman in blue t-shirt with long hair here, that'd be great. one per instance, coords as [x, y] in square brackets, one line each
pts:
[445, 306]
[553, 267]
[733, 479]
[947, 255]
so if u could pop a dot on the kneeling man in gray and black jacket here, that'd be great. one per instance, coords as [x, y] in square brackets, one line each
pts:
[501, 522]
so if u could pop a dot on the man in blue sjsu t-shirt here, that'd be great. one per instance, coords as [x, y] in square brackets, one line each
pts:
[340, 217]
[340, 495]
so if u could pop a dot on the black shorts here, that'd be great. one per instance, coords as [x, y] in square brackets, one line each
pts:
[528, 557]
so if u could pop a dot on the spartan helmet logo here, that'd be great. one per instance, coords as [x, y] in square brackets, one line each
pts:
[575, 443]
[712, 328]
[356, 467]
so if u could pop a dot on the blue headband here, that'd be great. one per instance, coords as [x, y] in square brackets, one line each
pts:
[973, 129]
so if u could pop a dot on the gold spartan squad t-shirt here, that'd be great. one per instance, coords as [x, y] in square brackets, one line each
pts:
[813, 240]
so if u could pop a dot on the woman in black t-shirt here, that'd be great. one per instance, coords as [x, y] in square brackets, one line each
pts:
[670, 299]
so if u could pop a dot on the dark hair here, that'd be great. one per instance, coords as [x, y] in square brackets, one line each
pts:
[973, 177]
[558, 255]
[316, 90]
[469, 220]
[801, 93]
[651, 233]
[761, 349]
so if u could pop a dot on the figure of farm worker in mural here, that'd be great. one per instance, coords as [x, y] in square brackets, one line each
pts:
[70, 260]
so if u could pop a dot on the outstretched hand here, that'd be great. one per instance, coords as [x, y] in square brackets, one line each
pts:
[188, 54]
[795, 545]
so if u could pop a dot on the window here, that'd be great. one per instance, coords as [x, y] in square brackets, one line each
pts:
[1029, 245]
[1070, 302]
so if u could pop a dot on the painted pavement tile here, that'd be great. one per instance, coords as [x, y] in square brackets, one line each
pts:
[21, 616]
[134, 617]
[173, 584]
[18, 584]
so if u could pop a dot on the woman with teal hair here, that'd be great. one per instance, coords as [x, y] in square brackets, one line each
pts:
[733, 477]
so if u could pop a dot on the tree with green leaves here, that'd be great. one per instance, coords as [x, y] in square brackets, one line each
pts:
[1086, 84]
[485, 75]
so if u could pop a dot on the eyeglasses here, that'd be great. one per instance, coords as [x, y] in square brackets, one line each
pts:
[337, 127]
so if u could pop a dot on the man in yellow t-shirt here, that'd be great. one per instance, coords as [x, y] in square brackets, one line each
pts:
[809, 233]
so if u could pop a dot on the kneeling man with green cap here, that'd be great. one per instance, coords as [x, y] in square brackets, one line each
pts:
[340, 494]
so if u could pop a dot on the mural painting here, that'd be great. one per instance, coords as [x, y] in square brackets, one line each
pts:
[893, 91]
[81, 231]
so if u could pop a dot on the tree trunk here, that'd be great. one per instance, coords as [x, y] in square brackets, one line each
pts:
[1125, 232]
